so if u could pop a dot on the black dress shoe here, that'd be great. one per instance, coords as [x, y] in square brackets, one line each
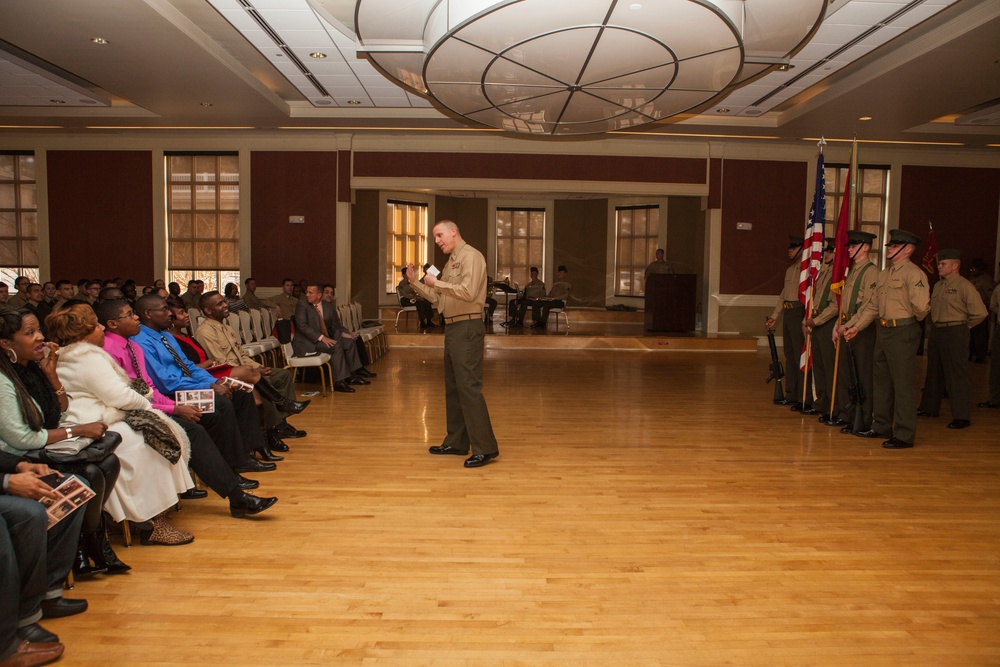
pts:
[60, 606]
[292, 407]
[286, 430]
[193, 494]
[847, 430]
[870, 433]
[477, 460]
[243, 504]
[924, 413]
[987, 404]
[247, 484]
[358, 381]
[824, 418]
[836, 422]
[253, 465]
[365, 373]
[959, 423]
[444, 449]
[810, 411]
[275, 442]
[36, 634]
[896, 443]
[784, 401]
[795, 406]
[343, 388]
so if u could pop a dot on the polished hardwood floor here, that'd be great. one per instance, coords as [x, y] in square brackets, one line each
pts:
[646, 509]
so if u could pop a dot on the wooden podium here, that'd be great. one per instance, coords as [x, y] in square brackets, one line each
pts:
[670, 301]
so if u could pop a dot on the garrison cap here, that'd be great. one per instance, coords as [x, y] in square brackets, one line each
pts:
[795, 241]
[949, 253]
[902, 236]
[858, 237]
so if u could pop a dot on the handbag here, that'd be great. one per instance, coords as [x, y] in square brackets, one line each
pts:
[155, 433]
[76, 450]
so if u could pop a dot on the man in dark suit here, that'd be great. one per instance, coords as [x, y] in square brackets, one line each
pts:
[318, 329]
[33, 564]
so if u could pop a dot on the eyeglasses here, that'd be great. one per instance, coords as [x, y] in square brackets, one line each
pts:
[126, 316]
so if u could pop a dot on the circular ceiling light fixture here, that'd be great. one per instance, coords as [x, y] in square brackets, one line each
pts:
[585, 67]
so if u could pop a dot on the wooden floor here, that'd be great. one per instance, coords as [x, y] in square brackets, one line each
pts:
[646, 509]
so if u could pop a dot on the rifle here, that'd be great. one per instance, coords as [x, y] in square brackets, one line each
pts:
[856, 392]
[777, 372]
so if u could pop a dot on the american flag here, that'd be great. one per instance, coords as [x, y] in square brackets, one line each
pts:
[812, 252]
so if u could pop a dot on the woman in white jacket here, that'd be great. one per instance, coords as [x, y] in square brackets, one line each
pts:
[98, 388]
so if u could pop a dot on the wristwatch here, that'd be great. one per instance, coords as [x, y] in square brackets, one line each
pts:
[69, 432]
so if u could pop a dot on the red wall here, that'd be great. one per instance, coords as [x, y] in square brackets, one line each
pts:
[772, 196]
[961, 203]
[539, 167]
[101, 214]
[293, 183]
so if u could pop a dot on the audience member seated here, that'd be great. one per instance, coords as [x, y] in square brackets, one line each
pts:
[491, 303]
[207, 459]
[154, 451]
[234, 425]
[174, 290]
[81, 289]
[20, 296]
[556, 298]
[535, 289]
[34, 562]
[64, 291]
[318, 329]
[250, 295]
[37, 305]
[193, 294]
[275, 385]
[236, 304]
[93, 290]
[4, 295]
[286, 301]
[110, 294]
[32, 400]
[49, 293]
[409, 297]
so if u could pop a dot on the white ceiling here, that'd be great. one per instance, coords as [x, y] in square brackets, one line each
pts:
[914, 66]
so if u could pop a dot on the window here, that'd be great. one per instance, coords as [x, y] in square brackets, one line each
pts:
[870, 206]
[203, 218]
[18, 218]
[406, 224]
[637, 235]
[520, 243]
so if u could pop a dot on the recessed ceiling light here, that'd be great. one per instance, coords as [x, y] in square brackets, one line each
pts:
[354, 101]
[99, 40]
[865, 118]
[58, 101]
[635, 6]
[317, 54]
[785, 67]
[722, 110]
[206, 104]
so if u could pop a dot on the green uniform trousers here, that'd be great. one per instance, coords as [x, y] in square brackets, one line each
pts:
[895, 400]
[824, 359]
[282, 381]
[791, 344]
[948, 368]
[467, 416]
[863, 348]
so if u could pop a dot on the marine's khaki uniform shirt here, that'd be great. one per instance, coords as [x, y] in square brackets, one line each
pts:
[534, 289]
[955, 299]
[461, 287]
[286, 302]
[985, 285]
[253, 301]
[866, 292]
[828, 311]
[901, 292]
[221, 344]
[790, 292]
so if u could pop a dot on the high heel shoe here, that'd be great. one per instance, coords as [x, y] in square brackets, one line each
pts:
[98, 548]
[82, 569]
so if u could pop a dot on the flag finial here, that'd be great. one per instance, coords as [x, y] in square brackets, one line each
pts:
[821, 143]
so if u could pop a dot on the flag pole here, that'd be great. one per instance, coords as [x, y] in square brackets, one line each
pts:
[841, 235]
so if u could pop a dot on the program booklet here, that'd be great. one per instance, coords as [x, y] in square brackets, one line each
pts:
[203, 399]
[73, 493]
[236, 385]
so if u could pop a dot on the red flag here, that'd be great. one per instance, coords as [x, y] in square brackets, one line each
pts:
[841, 258]
[929, 262]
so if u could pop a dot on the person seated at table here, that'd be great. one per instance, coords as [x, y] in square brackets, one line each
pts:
[154, 451]
[556, 298]
[409, 297]
[535, 289]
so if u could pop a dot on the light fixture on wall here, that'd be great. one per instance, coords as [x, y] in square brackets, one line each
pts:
[580, 66]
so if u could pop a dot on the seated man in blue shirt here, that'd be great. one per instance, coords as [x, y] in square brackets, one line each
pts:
[235, 425]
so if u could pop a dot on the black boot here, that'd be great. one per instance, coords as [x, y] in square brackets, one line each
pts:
[82, 569]
[98, 549]
[269, 393]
